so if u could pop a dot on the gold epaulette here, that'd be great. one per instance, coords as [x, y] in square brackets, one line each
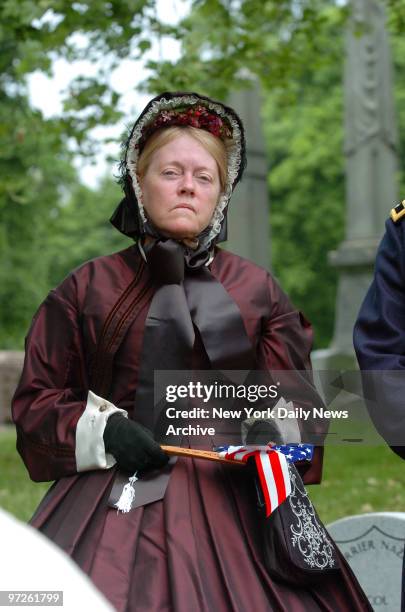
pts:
[398, 212]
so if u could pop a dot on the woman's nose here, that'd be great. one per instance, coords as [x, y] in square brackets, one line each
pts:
[187, 183]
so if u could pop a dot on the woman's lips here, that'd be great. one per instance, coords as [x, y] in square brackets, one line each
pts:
[185, 205]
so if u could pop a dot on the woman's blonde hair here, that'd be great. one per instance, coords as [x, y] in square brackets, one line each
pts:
[215, 147]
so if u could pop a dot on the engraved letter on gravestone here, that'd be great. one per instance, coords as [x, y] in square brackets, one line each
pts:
[373, 544]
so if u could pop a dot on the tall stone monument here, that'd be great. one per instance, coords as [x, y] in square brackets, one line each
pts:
[371, 163]
[248, 217]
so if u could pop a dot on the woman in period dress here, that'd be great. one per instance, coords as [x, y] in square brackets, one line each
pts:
[171, 301]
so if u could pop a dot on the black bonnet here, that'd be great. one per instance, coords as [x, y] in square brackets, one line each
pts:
[129, 217]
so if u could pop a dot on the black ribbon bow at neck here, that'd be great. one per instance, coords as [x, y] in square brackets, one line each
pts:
[188, 296]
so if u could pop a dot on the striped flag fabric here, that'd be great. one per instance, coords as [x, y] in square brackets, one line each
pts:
[272, 470]
[294, 452]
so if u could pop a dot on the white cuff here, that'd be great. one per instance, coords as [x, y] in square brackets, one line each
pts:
[90, 450]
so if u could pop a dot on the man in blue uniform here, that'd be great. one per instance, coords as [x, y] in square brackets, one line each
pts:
[379, 338]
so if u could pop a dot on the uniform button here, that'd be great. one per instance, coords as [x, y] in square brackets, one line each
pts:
[103, 407]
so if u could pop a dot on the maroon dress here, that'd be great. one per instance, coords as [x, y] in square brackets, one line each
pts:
[199, 547]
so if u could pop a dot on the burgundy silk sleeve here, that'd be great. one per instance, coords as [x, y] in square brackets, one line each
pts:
[287, 337]
[285, 344]
[52, 392]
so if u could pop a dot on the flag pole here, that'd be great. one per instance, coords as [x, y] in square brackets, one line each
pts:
[178, 451]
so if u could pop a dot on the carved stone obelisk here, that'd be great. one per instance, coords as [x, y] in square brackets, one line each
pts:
[248, 217]
[371, 163]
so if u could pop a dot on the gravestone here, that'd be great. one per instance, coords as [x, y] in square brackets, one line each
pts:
[11, 363]
[373, 545]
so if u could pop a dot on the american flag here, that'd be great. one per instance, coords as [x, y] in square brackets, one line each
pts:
[272, 468]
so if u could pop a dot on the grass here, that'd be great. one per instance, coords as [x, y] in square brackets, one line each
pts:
[18, 494]
[356, 480]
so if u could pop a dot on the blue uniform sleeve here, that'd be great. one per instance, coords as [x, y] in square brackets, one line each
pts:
[379, 337]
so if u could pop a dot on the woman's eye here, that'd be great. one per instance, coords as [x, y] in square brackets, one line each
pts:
[170, 173]
[205, 178]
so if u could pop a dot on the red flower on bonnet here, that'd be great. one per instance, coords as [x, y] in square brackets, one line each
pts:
[195, 116]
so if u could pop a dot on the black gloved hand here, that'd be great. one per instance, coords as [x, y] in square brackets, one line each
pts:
[132, 445]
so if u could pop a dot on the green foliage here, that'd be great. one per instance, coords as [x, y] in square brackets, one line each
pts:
[33, 33]
[225, 41]
[50, 225]
[398, 48]
[396, 15]
[82, 230]
[34, 167]
[306, 184]
[39, 189]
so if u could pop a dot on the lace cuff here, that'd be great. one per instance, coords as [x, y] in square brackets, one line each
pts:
[90, 449]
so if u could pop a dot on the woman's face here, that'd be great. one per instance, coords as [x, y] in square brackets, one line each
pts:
[180, 188]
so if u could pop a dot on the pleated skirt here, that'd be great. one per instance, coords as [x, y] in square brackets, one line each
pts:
[198, 549]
